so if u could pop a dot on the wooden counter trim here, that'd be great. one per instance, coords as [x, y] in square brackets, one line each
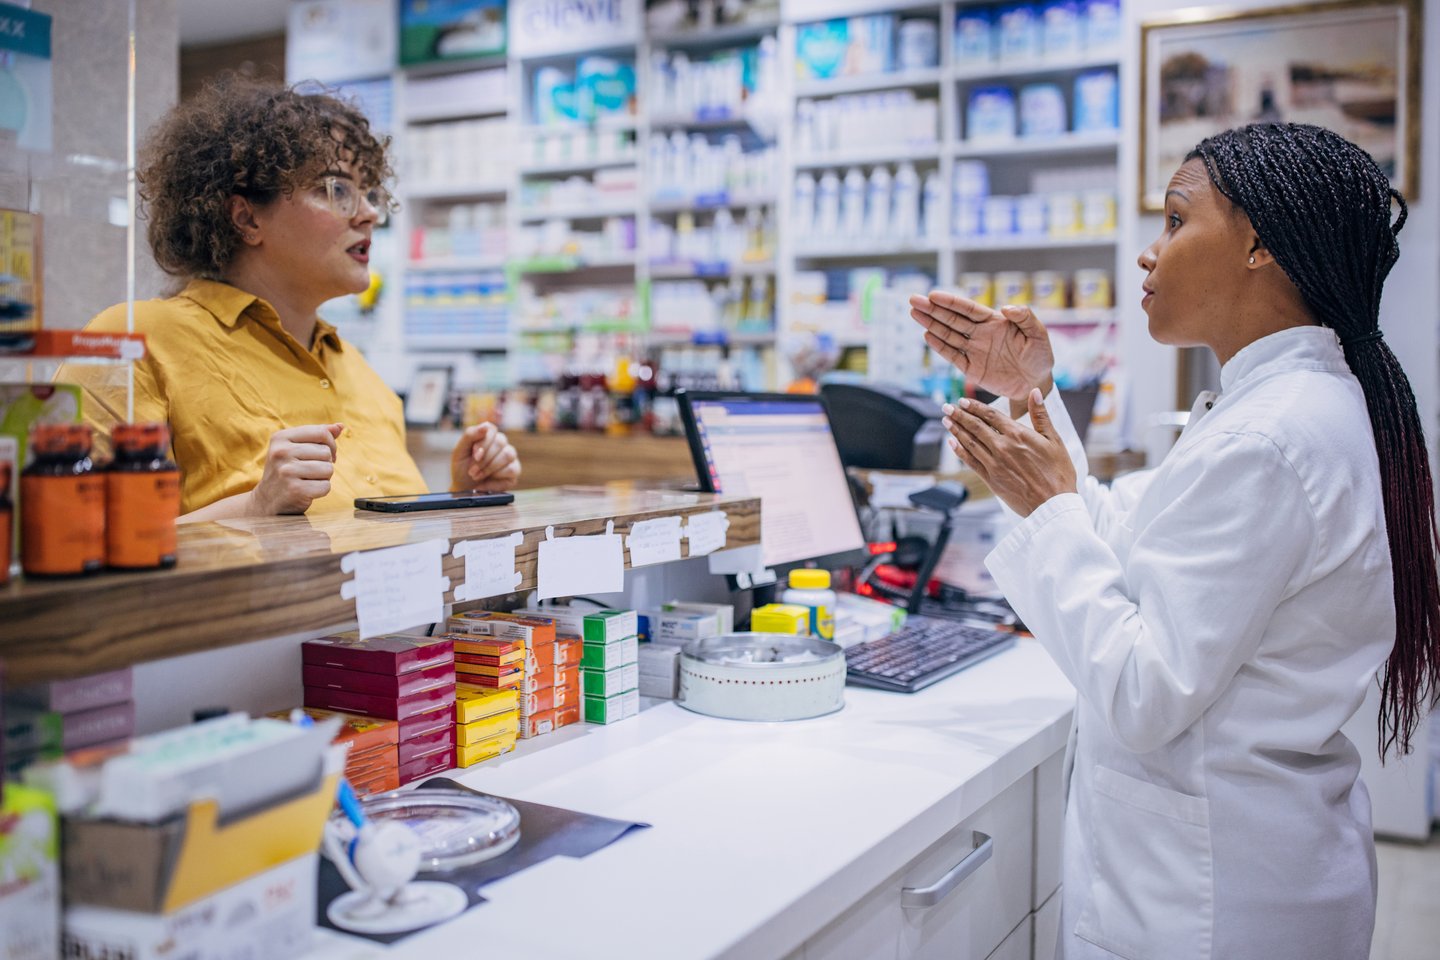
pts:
[250, 580]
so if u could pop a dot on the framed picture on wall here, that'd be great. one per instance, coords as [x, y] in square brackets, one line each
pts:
[425, 400]
[1352, 66]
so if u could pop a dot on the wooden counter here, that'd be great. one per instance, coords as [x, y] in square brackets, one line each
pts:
[243, 580]
[552, 459]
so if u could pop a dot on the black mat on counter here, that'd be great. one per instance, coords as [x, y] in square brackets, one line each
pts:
[545, 832]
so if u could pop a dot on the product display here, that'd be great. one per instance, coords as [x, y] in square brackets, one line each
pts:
[62, 504]
[142, 498]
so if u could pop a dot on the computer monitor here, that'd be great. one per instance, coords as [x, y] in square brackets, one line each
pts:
[781, 448]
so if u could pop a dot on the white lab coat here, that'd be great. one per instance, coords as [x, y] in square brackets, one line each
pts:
[1221, 616]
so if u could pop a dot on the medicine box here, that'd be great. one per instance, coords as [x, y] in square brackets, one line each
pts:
[30, 893]
[379, 684]
[510, 626]
[28, 730]
[426, 766]
[483, 675]
[724, 612]
[427, 722]
[80, 693]
[780, 618]
[500, 724]
[391, 708]
[423, 746]
[612, 709]
[609, 626]
[476, 703]
[659, 669]
[608, 683]
[389, 654]
[467, 755]
[679, 627]
[549, 721]
[550, 677]
[492, 651]
[608, 656]
[569, 622]
[548, 698]
[361, 732]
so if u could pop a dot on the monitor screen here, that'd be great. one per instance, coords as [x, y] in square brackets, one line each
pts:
[781, 449]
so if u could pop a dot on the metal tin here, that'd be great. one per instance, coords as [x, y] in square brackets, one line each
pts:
[762, 676]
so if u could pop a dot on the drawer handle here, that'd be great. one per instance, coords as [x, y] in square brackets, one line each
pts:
[921, 897]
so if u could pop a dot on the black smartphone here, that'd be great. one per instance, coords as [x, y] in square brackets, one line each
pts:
[434, 501]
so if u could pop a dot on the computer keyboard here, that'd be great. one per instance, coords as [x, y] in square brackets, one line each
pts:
[924, 651]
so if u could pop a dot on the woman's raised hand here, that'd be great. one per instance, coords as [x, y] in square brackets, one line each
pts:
[1006, 352]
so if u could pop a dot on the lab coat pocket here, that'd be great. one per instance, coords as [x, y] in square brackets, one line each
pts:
[1152, 894]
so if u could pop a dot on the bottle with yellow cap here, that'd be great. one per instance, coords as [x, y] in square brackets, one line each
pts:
[811, 588]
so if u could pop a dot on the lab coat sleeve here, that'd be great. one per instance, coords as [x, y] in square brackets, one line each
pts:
[1152, 642]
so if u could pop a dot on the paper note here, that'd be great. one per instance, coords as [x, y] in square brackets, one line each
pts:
[654, 541]
[706, 532]
[396, 588]
[894, 489]
[570, 566]
[489, 567]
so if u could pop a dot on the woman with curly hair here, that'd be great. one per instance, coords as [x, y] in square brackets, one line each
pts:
[1224, 615]
[261, 200]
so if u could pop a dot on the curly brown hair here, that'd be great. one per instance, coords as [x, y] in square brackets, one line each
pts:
[248, 138]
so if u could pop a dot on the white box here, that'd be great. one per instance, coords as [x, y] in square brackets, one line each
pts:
[271, 915]
[679, 627]
[724, 612]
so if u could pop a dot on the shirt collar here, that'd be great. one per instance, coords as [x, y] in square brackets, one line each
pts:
[1295, 348]
[228, 304]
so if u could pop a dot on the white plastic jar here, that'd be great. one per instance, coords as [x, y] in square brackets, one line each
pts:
[811, 588]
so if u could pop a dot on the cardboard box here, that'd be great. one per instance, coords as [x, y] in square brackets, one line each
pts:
[569, 622]
[391, 708]
[80, 693]
[361, 732]
[724, 612]
[608, 656]
[48, 732]
[477, 703]
[470, 754]
[568, 651]
[548, 699]
[30, 891]
[481, 675]
[379, 783]
[609, 626]
[417, 748]
[270, 914]
[550, 677]
[514, 626]
[564, 716]
[380, 684]
[390, 654]
[492, 650]
[612, 709]
[781, 618]
[677, 627]
[427, 766]
[467, 734]
[427, 722]
[608, 683]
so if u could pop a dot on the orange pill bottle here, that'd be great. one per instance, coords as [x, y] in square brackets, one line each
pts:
[142, 499]
[62, 504]
[7, 521]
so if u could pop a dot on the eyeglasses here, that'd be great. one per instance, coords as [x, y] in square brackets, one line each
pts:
[343, 196]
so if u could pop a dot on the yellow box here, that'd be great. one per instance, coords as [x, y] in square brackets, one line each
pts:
[781, 618]
[467, 734]
[1012, 287]
[474, 702]
[471, 754]
[1049, 289]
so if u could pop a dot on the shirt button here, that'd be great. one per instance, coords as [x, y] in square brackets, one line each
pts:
[370, 479]
[349, 432]
[324, 384]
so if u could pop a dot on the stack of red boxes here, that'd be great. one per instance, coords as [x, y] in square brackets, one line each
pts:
[408, 679]
[550, 679]
[373, 763]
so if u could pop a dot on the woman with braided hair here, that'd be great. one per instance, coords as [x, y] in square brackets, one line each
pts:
[1223, 615]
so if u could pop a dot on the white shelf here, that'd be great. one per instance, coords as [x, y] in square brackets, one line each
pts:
[1101, 317]
[693, 271]
[457, 341]
[762, 123]
[557, 266]
[457, 112]
[989, 244]
[665, 205]
[434, 264]
[898, 80]
[1108, 140]
[925, 153]
[597, 211]
[460, 188]
[610, 123]
[696, 38]
[865, 250]
[1006, 69]
[577, 166]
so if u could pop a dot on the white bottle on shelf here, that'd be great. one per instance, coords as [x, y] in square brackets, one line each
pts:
[905, 214]
[804, 220]
[852, 205]
[878, 222]
[827, 208]
[932, 208]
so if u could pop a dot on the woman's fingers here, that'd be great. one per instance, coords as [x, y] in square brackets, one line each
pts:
[973, 431]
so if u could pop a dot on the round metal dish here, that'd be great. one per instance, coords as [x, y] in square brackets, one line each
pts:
[457, 828]
[762, 676]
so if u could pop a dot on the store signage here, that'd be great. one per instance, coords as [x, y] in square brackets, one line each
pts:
[544, 27]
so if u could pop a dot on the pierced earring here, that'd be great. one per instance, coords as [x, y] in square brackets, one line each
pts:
[1252, 261]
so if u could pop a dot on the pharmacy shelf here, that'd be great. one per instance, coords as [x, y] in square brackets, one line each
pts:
[538, 265]
[898, 80]
[577, 166]
[597, 211]
[447, 112]
[763, 124]
[436, 264]
[866, 250]
[460, 189]
[1079, 317]
[491, 342]
[710, 338]
[713, 38]
[610, 123]
[995, 244]
[924, 153]
[1103, 142]
[670, 205]
[1045, 66]
[687, 270]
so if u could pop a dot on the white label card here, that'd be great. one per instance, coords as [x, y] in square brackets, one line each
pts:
[489, 567]
[893, 489]
[654, 541]
[396, 588]
[706, 532]
[570, 566]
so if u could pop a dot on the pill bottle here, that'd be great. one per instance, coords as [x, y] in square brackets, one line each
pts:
[811, 588]
[142, 499]
[7, 521]
[62, 504]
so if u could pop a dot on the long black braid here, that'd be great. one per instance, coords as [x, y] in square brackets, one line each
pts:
[1322, 208]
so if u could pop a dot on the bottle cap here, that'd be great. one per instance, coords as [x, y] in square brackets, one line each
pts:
[71, 438]
[810, 579]
[134, 437]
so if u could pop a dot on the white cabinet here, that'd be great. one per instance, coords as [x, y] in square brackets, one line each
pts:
[1017, 945]
[1049, 827]
[1047, 928]
[992, 850]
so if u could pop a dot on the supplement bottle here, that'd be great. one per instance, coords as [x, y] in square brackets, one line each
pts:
[811, 588]
[142, 499]
[7, 522]
[62, 498]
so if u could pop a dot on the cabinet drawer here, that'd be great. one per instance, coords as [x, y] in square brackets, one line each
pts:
[969, 921]
[1017, 945]
[1047, 928]
[1049, 827]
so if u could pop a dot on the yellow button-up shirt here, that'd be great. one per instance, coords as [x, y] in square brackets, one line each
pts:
[225, 375]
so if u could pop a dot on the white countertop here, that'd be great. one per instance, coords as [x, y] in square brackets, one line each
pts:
[760, 832]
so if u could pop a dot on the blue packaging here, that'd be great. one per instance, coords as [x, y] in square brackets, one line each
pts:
[820, 49]
[604, 86]
[1017, 32]
[974, 36]
[990, 114]
[1060, 27]
[554, 96]
[1097, 101]
[1042, 110]
[1100, 24]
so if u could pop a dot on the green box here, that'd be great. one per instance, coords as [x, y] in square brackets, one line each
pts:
[612, 709]
[608, 683]
[610, 626]
[609, 656]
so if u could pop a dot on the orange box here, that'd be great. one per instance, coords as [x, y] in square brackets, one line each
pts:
[487, 650]
[568, 651]
[564, 716]
[487, 676]
[539, 656]
[549, 698]
[509, 626]
[382, 783]
[363, 733]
